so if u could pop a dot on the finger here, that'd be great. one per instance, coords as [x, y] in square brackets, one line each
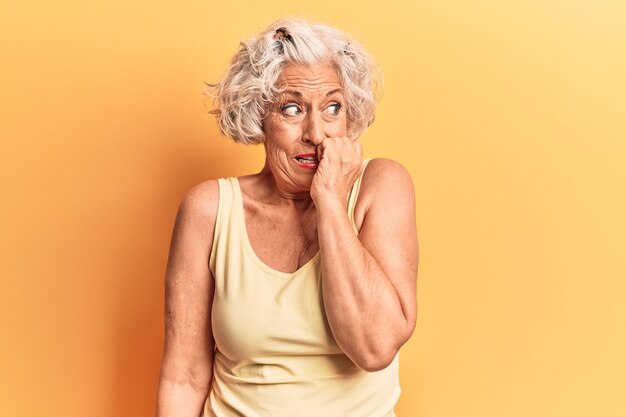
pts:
[330, 144]
[350, 150]
[320, 149]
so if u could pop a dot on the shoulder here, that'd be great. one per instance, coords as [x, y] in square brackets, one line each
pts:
[386, 192]
[202, 198]
[385, 178]
[198, 206]
[385, 169]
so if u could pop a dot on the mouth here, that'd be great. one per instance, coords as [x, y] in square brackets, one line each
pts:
[307, 160]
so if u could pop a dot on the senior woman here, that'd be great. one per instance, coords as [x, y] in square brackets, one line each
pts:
[290, 291]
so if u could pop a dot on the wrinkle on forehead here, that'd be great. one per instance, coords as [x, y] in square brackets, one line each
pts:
[317, 78]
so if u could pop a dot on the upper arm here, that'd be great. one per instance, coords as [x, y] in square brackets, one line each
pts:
[189, 289]
[388, 230]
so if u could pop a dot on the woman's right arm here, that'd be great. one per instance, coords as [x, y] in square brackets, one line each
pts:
[187, 365]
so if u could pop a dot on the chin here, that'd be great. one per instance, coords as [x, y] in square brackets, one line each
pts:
[305, 183]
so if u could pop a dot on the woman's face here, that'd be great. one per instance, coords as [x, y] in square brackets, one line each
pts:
[310, 109]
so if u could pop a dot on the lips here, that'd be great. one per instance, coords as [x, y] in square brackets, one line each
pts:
[307, 160]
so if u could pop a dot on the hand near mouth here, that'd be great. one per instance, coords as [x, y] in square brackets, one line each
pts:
[338, 168]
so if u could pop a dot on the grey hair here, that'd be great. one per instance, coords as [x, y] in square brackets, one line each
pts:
[249, 86]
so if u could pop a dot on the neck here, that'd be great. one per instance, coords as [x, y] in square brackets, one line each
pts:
[282, 193]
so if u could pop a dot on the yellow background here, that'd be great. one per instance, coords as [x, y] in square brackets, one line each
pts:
[510, 116]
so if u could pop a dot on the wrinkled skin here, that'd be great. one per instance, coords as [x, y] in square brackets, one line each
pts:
[310, 117]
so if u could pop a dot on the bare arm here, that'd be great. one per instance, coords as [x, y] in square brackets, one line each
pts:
[369, 280]
[187, 365]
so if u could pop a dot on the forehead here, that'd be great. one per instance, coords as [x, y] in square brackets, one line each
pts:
[308, 79]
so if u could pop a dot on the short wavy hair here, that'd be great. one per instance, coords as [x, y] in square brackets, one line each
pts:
[249, 86]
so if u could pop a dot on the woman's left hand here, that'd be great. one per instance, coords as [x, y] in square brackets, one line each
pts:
[339, 167]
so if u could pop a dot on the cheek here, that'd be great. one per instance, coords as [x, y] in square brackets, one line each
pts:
[283, 136]
[278, 143]
[339, 128]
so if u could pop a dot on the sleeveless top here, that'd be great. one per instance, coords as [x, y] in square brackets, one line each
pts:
[275, 355]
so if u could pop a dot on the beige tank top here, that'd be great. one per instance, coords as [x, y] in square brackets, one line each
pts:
[275, 354]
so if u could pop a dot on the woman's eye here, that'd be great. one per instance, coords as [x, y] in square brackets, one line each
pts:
[333, 109]
[291, 110]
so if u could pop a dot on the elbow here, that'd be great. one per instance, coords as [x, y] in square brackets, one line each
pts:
[381, 359]
[196, 376]
[377, 362]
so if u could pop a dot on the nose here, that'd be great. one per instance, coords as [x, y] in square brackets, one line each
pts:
[313, 131]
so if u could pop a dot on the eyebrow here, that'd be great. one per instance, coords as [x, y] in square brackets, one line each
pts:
[299, 94]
